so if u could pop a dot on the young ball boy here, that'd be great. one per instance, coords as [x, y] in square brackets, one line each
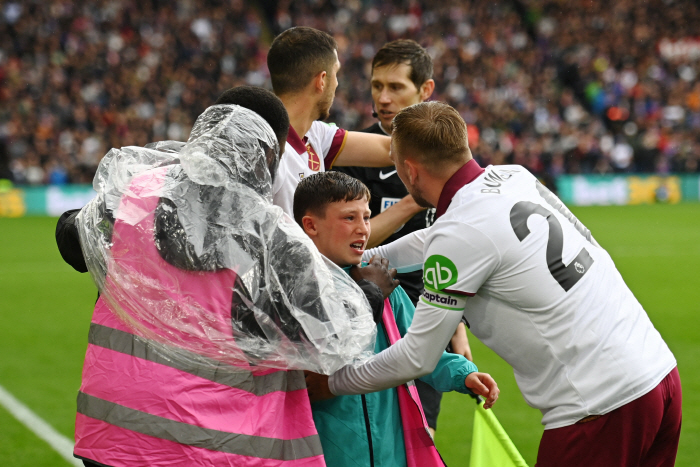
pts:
[362, 430]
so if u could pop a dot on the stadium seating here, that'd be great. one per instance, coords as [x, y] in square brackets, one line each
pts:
[560, 87]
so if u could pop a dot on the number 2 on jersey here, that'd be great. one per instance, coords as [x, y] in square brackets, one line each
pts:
[566, 276]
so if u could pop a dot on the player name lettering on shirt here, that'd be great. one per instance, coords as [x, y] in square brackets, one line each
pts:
[494, 179]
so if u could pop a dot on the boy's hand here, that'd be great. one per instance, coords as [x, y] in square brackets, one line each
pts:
[317, 386]
[482, 384]
[377, 271]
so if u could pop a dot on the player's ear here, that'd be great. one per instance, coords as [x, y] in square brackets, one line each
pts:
[319, 82]
[411, 170]
[426, 89]
[309, 225]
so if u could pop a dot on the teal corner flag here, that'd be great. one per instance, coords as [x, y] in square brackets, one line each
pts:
[491, 446]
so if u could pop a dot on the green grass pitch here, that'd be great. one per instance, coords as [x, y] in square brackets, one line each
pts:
[45, 310]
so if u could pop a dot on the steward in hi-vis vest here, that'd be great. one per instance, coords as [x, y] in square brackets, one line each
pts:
[208, 294]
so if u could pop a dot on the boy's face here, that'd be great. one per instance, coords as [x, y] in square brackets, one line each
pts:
[342, 234]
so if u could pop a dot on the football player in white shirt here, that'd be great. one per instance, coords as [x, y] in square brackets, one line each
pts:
[537, 289]
[303, 64]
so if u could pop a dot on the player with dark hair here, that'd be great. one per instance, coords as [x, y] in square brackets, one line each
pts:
[303, 64]
[535, 286]
[333, 210]
[402, 75]
[296, 56]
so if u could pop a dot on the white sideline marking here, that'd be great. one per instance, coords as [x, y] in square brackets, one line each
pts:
[62, 445]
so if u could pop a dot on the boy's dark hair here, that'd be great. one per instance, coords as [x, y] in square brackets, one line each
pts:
[262, 102]
[409, 52]
[297, 55]
[317, 191]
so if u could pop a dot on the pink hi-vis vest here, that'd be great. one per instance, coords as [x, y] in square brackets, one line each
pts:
[420, 448]
[138, 407]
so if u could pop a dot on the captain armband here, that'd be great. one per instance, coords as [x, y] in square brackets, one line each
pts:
[444, 300]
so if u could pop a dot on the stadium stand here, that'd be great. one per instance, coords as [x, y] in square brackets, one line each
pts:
[559, 87]
[81, 77]
[633, 65]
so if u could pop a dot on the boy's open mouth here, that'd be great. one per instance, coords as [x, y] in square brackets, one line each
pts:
[358, 245]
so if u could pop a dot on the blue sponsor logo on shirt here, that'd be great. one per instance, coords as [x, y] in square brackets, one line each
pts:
[389, 202]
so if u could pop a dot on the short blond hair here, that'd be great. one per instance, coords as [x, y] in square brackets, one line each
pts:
[431, 133]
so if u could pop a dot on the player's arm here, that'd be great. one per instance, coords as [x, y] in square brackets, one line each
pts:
[413, 356]
[387, 222]
[452, 369]
[365, 150]
[404, 254]
[459, 259]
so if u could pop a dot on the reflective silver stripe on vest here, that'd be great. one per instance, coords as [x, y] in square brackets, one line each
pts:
[197, 365]
[191, 435]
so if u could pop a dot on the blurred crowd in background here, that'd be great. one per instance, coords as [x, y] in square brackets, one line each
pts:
[592, 87]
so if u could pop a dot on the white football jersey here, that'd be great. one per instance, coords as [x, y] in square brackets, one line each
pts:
[303, 157]
[537, 289]
[549, 300]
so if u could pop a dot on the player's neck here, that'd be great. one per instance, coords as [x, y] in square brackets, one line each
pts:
[302, 111]
[437, 183]
[433, 191]
[431, 185]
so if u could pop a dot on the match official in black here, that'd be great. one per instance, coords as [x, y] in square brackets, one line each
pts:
[402, 75]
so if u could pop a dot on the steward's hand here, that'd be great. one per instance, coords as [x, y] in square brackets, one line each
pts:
[482, 384]
[317, 386]
[377, 271]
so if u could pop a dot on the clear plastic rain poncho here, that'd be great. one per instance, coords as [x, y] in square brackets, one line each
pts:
[210, 271]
